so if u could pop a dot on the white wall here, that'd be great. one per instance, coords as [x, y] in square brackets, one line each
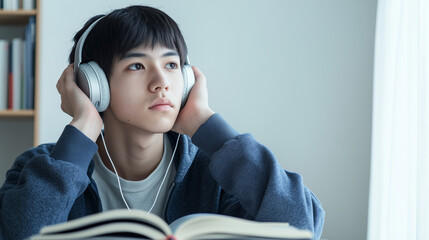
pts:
[296, 74]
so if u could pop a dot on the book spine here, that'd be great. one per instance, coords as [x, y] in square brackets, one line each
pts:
[9, 79]
[24, 77]
[27, 62]
[17, 72]
[11, 4]
[30, 63]
[28, 4]
[4, 52]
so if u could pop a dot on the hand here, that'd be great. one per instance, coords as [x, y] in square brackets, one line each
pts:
[75, 103]
[196, 110]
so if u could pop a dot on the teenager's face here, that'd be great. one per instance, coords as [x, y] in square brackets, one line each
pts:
[146, 88]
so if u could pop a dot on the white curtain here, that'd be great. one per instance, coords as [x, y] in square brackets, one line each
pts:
[399, 190]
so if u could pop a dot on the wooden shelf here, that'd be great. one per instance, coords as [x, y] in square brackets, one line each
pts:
[16, 113]
[16, 17]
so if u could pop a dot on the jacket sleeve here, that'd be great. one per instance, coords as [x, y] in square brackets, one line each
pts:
[43, 183]
[249, 172]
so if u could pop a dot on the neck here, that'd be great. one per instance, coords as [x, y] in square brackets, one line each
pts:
[135, 154]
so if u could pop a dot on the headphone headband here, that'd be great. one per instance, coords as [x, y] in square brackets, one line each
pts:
[79, 45]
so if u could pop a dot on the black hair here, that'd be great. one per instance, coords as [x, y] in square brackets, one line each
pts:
[125, 29]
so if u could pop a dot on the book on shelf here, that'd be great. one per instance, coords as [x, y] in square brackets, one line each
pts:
[11, 5]
[15, 74]
[4, 57]
[9, 79]
[138, 224]
[28, 80]
[28, 4]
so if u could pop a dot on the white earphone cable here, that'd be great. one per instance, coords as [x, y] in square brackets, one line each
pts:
[116, 173]
[119, 182]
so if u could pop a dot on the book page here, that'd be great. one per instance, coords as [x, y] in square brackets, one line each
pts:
[218, 226]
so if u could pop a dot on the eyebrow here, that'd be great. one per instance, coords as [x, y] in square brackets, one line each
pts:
[142, 55]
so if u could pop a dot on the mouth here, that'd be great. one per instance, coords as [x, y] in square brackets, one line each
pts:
[162, 105]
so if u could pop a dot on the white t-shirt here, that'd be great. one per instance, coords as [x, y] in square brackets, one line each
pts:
[138, 194]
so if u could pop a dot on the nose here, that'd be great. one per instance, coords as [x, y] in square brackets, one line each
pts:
[159, 81]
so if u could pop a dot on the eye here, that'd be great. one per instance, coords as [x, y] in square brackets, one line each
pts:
[136, 67]
[171, 65]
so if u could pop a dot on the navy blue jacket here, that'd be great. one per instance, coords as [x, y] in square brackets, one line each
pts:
[218, 171]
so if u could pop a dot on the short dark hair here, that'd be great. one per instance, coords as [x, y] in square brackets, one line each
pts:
[127, 28]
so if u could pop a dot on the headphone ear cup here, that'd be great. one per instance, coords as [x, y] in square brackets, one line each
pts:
[93, 82]
[188, 82]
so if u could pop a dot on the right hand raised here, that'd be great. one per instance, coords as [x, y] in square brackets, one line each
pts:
[75, 103]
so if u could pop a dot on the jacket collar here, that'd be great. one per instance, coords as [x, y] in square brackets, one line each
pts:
[184, 155]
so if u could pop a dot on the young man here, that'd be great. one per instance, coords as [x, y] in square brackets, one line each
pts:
[214, 168]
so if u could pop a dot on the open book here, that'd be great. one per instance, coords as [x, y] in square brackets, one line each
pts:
[137, 224]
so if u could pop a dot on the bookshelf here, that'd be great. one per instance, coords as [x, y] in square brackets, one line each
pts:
[13, 22]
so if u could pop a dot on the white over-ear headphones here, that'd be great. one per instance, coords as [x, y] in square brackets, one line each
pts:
[91, 78]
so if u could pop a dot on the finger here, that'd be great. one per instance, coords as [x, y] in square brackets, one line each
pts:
[58, 86]
[198, 74]
[69, 72]
[69, 83]
[65, 74]
[60, 81]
